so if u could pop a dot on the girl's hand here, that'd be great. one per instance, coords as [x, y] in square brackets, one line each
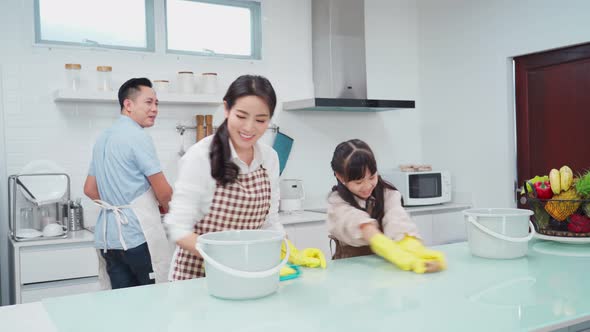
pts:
[433, 266]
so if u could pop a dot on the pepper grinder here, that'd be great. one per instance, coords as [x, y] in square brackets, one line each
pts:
[200, 127]
[209, 124]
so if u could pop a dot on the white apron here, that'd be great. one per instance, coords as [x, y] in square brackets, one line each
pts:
[146, 209]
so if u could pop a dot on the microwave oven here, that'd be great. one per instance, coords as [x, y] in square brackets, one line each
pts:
[421, 188]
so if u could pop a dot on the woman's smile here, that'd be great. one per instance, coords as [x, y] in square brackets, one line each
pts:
[246, 137]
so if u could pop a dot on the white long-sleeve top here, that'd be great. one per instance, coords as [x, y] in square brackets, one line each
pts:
[344, 220]
[194, 187]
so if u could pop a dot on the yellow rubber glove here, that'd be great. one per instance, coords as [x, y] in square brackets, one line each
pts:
[392, 251]
[310, 257]
[415, 246]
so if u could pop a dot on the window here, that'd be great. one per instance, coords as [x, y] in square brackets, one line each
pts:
[228, 28]
[120, 24]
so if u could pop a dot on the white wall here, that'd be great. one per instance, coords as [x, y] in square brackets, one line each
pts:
[3, 207]
[393, 135]
[392, 67]
[38, 128]
[465, 51]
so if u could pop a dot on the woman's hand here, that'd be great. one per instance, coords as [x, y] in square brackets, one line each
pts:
[189, 243]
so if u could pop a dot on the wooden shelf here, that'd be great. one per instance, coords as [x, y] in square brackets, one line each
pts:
[86, 96]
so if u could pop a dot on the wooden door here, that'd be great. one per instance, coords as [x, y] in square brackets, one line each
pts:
[553, 111]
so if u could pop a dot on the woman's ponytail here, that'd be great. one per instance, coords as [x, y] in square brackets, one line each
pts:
[223, 169]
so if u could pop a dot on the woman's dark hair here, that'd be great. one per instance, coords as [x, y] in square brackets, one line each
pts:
[351, 160]
[130, 88]
[222, 167]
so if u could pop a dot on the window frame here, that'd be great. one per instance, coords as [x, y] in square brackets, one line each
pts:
[149, 30]
[255, 31]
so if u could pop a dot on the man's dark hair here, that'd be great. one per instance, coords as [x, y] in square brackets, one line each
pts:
[131, 87]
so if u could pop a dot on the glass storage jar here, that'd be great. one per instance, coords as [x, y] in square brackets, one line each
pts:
[161, 86]
[104, 78]
[186, 82]
[73, 76]
[209, 83]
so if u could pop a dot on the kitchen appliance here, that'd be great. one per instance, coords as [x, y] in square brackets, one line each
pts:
[338, 54]
[292, 195]
[32, 208]
[421, 188]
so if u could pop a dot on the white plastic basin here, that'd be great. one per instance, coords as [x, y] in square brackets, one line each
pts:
[498, 233]
[242, 264]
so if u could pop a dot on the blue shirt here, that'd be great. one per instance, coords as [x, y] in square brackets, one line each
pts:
[123, 157]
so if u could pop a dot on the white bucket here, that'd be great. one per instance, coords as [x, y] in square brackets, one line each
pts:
[242, 264]
[499, 233]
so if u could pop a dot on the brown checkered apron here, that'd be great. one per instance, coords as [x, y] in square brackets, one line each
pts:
[343, 250]
[243, 204]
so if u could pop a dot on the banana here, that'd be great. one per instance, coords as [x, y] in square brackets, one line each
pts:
[555, 180]
[566, 177]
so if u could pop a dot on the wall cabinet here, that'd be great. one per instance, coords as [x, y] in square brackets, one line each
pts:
[440, 227]
[424, 223]
[58, 267]
[448, 227]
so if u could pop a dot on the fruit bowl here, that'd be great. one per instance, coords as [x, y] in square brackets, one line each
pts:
[560, 217]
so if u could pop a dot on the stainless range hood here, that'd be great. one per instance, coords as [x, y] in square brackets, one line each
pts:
[339, 70]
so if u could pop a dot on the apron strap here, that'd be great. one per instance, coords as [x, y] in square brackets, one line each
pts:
[120, 217]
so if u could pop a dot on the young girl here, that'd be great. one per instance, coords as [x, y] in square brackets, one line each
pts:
[228, 180]
[363, 209]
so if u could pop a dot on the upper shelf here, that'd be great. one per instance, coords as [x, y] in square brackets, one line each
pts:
[86, 96]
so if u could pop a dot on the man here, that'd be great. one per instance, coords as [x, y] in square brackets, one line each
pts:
[125, 179]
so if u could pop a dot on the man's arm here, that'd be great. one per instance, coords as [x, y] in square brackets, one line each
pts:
[162, 189]
[91, 188]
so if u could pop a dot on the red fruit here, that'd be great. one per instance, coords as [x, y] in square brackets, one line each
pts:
[579, 224]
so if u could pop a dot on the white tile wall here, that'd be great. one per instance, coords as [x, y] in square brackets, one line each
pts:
[38, 128]
[35, 127]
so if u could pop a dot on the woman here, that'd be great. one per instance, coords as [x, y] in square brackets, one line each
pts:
[227, 180]
[363, 209]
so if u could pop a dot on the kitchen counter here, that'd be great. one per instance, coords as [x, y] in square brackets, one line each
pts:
[83, 235]
[416, 209]
[301, 217]
[548, 289]
[437, 207]
[17, 318]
